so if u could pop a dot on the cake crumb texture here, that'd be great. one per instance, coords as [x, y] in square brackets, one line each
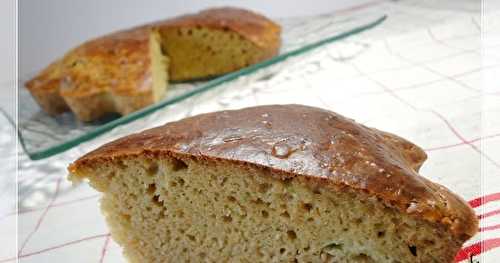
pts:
[189, 210]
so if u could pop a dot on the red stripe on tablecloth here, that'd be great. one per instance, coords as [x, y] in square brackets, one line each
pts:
[477, 248]
[484, 200]
[486, 245]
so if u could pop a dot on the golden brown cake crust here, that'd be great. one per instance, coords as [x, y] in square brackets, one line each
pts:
[84, 80]
[252, 26]
[296, 140]
[121, 60]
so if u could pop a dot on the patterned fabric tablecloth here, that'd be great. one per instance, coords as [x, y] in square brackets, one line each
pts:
[429, 73]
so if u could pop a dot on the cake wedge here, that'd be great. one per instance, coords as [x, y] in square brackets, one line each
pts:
[277, 183]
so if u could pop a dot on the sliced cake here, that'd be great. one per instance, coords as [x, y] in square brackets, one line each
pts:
[129, 70]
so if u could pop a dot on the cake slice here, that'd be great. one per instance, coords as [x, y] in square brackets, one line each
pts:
[129, 70]
[119, 73]
[286, 183]
[217, 41]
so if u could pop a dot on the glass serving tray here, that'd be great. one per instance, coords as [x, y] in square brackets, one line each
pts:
[42, 135]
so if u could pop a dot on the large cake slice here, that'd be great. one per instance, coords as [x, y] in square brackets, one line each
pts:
[284, 183]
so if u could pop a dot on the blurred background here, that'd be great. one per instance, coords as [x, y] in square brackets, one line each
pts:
[49, 28]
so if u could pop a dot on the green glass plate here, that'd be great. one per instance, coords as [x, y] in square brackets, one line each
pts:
[42, 136]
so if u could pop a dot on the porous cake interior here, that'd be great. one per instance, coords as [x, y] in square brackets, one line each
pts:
[200, 52]
[187, 210]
